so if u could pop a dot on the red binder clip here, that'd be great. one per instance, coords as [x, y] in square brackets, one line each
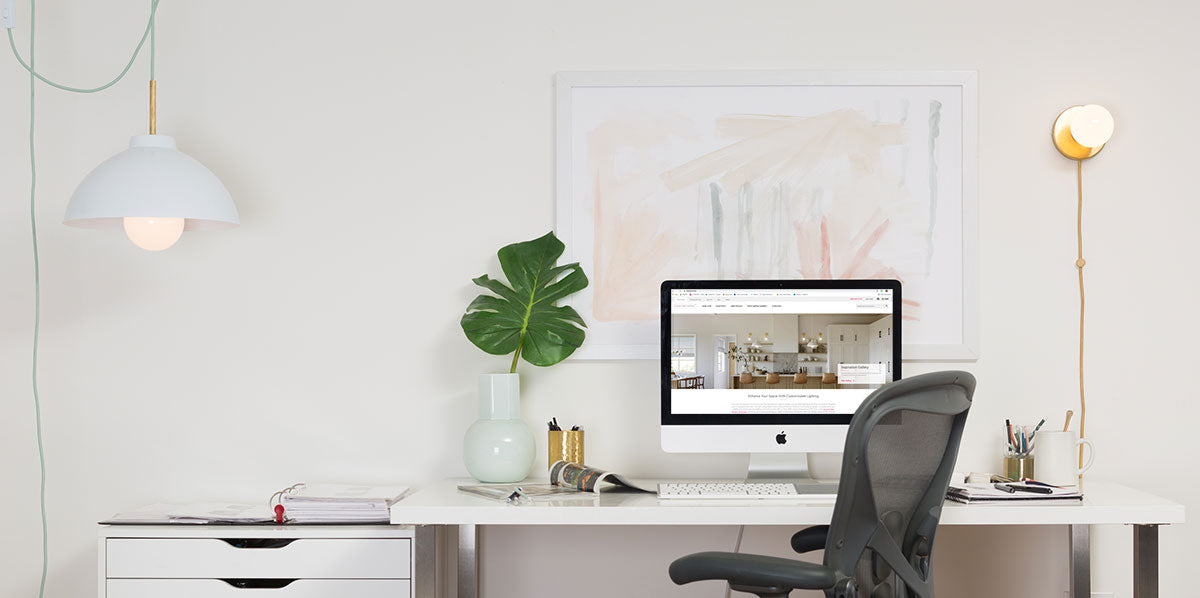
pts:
[278, 507]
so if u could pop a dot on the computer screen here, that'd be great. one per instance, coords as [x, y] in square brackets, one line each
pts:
[776, 351]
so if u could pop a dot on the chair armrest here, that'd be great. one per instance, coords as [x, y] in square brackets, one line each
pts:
[810, 539]
[752, 570]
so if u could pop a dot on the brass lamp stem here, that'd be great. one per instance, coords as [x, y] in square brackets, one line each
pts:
[153, 107]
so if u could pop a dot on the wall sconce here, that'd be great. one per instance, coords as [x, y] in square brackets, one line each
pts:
[1079, 133]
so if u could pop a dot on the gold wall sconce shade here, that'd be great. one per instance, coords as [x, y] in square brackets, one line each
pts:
[1079, 133]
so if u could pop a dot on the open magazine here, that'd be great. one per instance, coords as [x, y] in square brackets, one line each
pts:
[587, 479]
[198, 513]
[568, 481]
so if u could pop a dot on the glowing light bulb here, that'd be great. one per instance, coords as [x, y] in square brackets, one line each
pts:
[153, 234]
[1091, 125]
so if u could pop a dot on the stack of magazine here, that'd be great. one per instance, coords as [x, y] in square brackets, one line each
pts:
[335, 503]
[302, 503]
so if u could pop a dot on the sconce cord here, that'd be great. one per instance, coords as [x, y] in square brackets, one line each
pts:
[34, 77]
[1079, 264]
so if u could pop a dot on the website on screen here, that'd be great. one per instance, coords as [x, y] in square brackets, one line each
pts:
[778, 351]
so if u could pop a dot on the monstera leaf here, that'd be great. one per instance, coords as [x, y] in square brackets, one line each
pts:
[523, 316]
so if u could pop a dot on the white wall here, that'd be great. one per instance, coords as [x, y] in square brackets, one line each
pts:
[380, 152]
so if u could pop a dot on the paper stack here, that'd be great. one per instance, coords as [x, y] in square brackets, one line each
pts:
[195, 513]
[336, 503]
[973, 493]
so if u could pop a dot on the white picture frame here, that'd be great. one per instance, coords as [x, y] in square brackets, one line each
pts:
[705, 109]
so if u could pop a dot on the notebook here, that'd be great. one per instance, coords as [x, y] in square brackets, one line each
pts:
[975, 493]
[338, 503]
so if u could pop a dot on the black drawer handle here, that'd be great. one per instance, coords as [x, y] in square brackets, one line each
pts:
[270, 584]
[258, 542]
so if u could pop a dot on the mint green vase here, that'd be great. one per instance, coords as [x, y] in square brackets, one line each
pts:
[499, 446]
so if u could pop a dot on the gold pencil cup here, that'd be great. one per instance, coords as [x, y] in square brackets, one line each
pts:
[565, 445]
[1018, 468]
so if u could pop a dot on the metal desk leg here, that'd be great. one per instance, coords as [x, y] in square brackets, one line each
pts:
[1145, 561]
[1081, 561]
[425, 562]
[468, 562]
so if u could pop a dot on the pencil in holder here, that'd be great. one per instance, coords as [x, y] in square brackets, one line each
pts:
[565, 445]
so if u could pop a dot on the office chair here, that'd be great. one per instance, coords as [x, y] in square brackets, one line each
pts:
[899, 455]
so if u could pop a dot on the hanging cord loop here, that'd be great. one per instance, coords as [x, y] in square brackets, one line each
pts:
[136, 51]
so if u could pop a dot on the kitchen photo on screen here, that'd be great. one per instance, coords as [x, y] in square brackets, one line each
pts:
[780, 351]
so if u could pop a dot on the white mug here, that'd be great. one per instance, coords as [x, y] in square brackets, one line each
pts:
[1056, 455]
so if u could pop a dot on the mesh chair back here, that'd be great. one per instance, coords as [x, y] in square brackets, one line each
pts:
[899, 455]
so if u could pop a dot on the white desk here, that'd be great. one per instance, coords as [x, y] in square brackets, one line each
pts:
[441, 504]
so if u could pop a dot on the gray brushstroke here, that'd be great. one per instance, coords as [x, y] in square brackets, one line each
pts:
[935, 121]
[789, 231]
[745, 248]
[904, 149]
[718, 226]
[813, 211]
[779, 225]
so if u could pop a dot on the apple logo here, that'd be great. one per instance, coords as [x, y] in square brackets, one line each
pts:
[781, 438]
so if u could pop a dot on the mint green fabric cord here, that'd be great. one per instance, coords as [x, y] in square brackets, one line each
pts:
[34, 77]
[29, 67]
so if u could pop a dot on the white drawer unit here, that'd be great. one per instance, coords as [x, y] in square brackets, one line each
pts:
[300, 588]
[223, 561]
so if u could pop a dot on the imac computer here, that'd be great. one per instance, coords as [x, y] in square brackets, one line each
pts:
[774, 368]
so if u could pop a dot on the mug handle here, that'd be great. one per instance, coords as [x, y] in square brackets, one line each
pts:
[1091, 454]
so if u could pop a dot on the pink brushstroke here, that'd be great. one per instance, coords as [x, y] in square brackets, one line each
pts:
[865, 248]
[826, 270]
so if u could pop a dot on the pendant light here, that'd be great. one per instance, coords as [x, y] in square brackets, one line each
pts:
[152, 190]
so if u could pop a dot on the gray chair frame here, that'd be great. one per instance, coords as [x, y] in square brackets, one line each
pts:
[856, 527]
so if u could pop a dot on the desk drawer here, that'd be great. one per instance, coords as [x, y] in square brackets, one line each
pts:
[216, 588]
[211, 558]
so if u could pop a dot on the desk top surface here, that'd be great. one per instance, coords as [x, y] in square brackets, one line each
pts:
[441, 503]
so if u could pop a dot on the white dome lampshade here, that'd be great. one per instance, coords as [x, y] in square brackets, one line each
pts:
[155, 192]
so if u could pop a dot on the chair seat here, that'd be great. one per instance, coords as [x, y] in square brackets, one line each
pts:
[752, 570]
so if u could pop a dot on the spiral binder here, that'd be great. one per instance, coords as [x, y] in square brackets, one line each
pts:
[276, 501]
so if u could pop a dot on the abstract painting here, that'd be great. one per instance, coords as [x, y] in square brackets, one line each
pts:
[777, 174]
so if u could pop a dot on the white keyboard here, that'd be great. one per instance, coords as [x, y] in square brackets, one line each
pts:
[727, 490]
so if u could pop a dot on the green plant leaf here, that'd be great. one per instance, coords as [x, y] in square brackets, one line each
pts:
[524, 317]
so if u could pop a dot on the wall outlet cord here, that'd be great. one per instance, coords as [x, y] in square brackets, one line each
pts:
[7, 19]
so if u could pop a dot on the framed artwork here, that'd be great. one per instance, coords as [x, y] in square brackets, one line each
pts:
[771, 174]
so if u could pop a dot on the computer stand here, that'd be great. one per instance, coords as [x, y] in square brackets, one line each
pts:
[798, 468]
